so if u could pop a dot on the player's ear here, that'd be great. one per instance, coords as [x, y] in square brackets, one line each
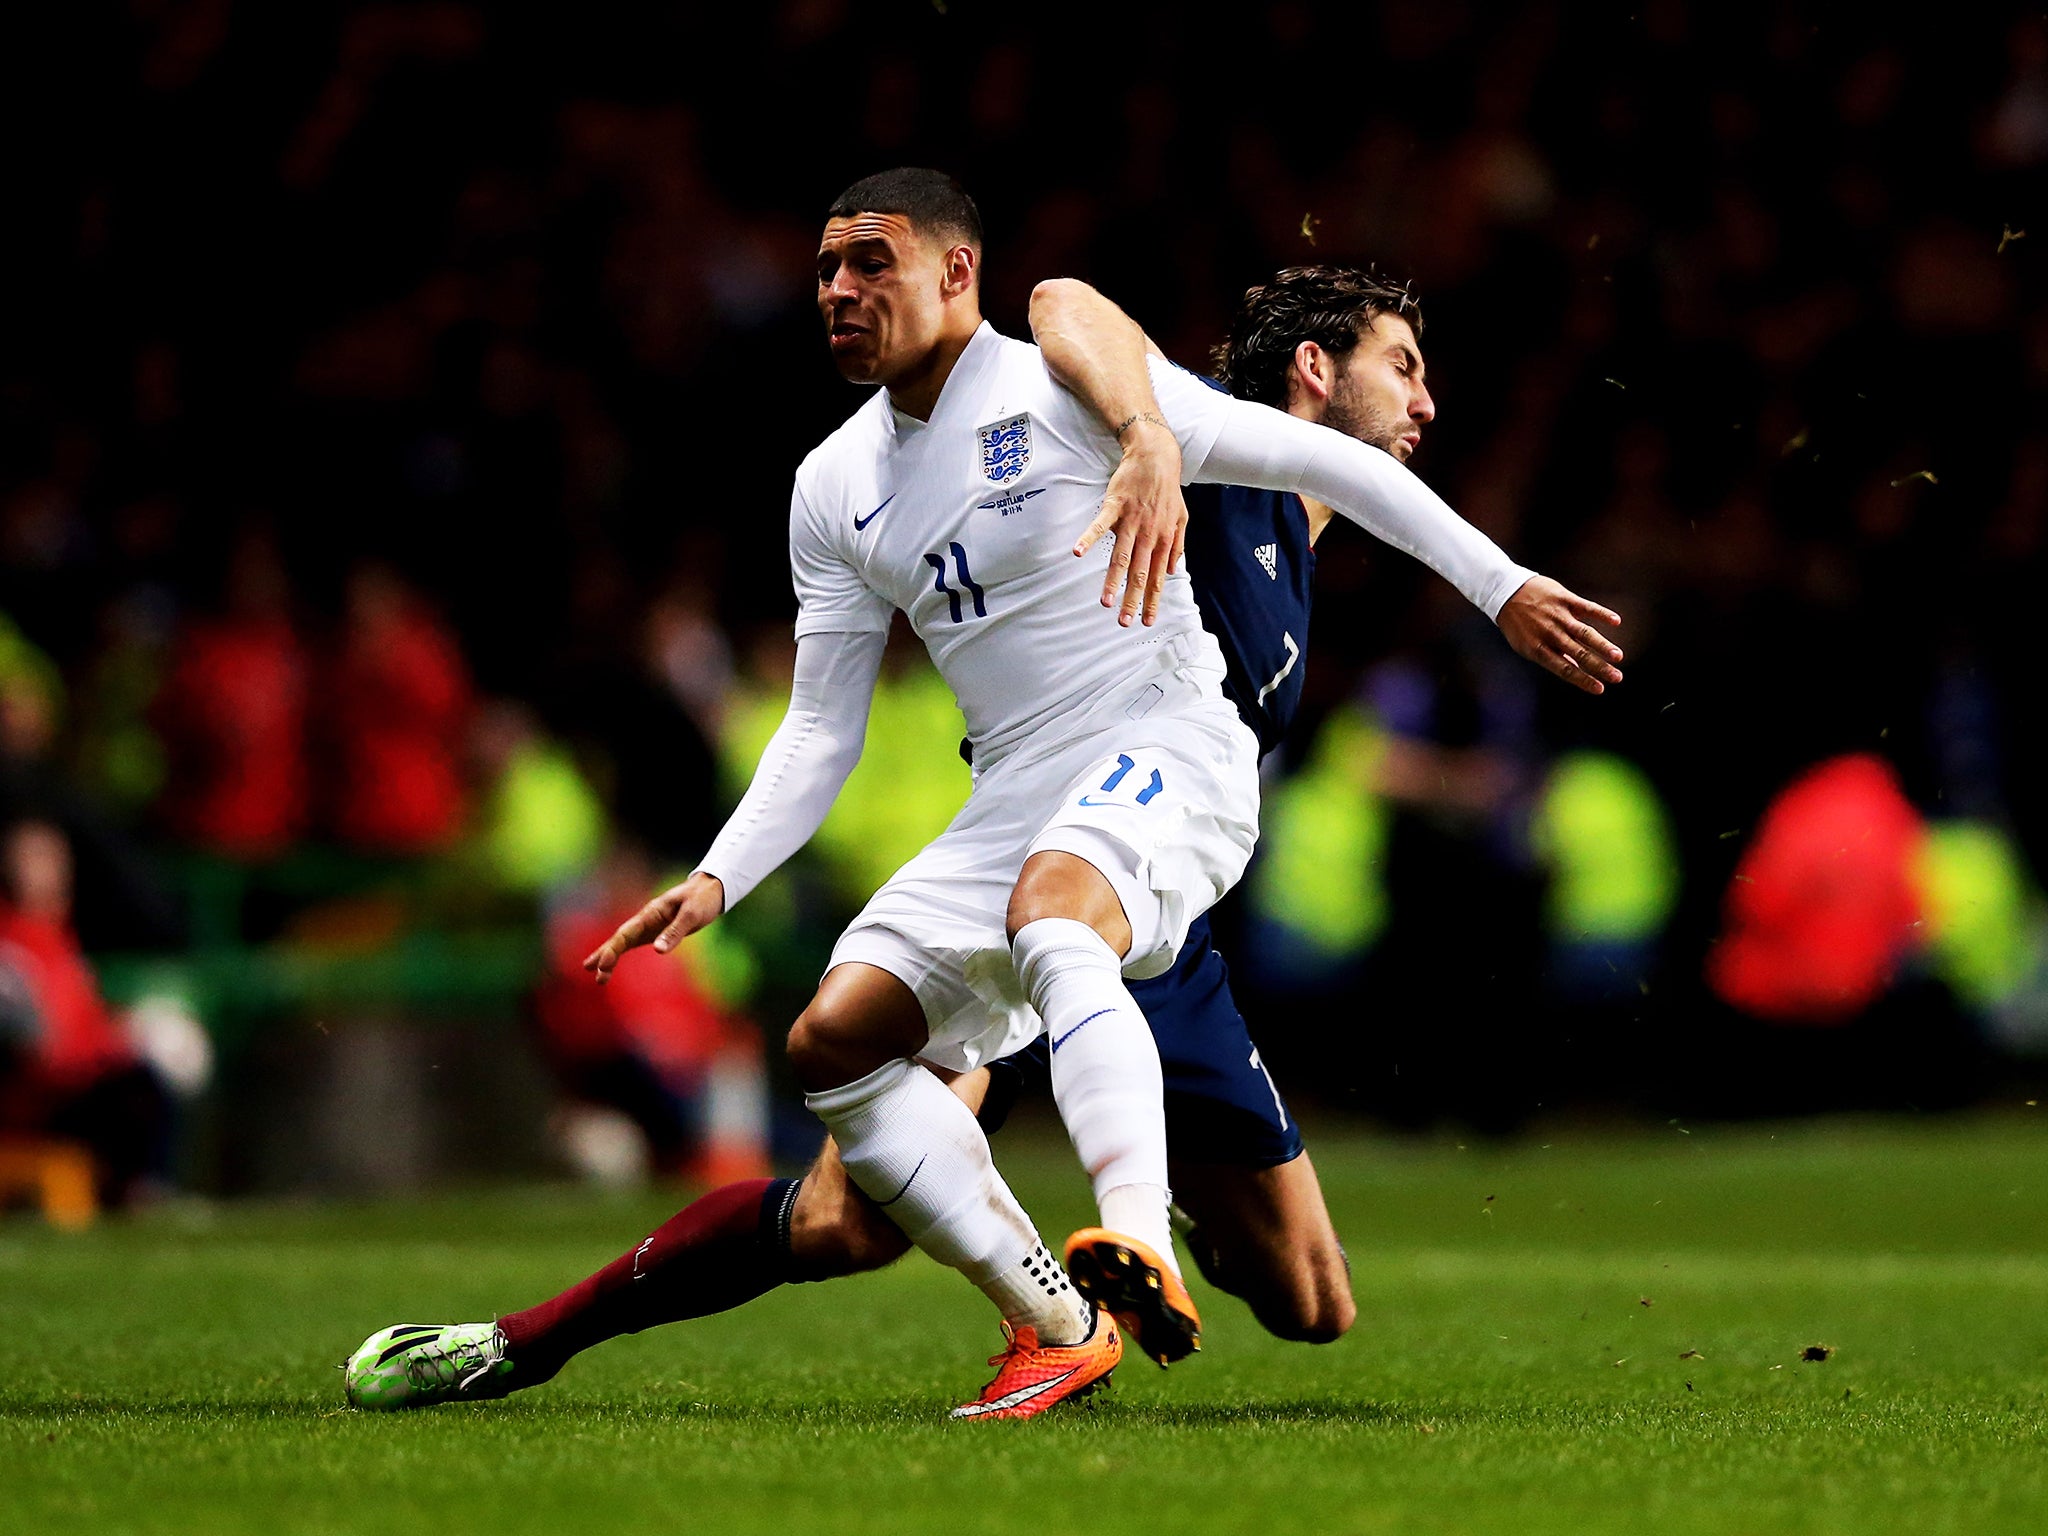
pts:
[959, 270]
[1315, 370]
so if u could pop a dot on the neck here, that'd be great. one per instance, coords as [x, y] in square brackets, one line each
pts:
[916, 391]
[1319, 514]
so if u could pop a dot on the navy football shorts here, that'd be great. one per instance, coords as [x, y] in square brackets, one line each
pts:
[1221, 1104]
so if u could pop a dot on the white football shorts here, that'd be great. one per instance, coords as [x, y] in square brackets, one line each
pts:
[1160, 792]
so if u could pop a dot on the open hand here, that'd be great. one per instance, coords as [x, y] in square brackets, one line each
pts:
[1552, 626]
[667, 920]
[1144, 507]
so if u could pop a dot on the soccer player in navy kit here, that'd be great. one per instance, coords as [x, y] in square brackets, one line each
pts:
[1328, 344]
[1342, 347]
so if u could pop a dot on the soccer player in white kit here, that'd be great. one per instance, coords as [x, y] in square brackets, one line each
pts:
[1115, 788]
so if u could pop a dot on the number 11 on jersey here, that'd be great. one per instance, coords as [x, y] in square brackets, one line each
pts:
[967, 583]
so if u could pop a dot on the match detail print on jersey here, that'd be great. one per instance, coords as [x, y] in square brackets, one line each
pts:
[1123, 771]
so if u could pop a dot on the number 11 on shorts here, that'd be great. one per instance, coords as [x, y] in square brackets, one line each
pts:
[1124, 765]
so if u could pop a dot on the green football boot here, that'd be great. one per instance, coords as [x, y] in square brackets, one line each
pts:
[415, 1365]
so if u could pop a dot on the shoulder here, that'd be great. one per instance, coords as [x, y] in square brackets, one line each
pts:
[1020, 374]
[853, 446]
[1169, 375]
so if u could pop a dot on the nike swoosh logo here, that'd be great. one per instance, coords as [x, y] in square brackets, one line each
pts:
[1092, 804]
[1063, 1039]
[862, 522]
[906, 1183]
[1013, 1399]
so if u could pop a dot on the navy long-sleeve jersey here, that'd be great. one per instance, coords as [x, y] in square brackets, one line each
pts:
[1250, 560]
[1252, 566]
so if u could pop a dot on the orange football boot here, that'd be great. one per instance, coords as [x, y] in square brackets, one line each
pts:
[1031, 1377]
[1134, 1285]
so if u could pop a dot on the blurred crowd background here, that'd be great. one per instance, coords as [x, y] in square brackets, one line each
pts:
[397, 409]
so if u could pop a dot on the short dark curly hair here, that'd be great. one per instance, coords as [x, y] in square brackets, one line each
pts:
[1328, 305]
[934, 202]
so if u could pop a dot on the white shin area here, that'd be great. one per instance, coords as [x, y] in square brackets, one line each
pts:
[914, 1149]
[1106, 1077]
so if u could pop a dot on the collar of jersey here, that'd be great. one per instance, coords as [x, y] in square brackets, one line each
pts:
[974, 360]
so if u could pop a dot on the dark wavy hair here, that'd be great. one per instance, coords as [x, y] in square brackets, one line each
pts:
[934, 202]
[1328, 305]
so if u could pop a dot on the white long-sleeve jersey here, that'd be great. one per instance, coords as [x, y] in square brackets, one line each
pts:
[966, 523]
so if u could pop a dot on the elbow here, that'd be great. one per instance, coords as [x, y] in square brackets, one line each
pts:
[1052, 301]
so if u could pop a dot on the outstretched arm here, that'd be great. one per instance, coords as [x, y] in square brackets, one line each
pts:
[799, 776]
[1098, 352]
[1255, 445]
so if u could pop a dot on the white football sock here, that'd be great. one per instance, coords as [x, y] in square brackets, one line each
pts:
[1105, 1074]
[1142, 1211]
[919, 1154]
[1038, 1293]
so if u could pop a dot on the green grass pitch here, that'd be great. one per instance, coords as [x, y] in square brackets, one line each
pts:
[1580, 1332]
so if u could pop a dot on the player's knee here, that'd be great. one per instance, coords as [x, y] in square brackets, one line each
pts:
[1319, 1313]
[827, 1050]
[1030, 899]
[862, 1019]
[1055, 884]
[1316, 1309]
[1326, 1320]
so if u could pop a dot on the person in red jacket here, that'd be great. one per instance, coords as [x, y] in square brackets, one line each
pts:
[68, 1068]
[645, 1045]
[1822, 908]
[397, 714]
[232, 716]
[1825, 1000]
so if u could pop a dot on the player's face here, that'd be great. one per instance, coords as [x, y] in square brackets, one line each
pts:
[1378, 395]
[880, 289]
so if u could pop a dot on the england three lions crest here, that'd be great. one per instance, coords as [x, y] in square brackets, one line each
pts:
[1006, 449]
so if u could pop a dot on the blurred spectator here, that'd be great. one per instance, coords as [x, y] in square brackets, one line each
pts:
[688, 651]
[119, 899]
[614, 693]
[69, 1069]
[542, 825]
[31, 696]
[1458, 970]
[653, 1043]
[910, 780]
[1317, 892]
[396, 714]
[1610, 856]
[232, 715]
[117, 752]
[1987, 927]
[1819, 963]
[1613, 875]
[1822, 909]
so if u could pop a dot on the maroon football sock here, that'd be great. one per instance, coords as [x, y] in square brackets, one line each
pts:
[725, 1249]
